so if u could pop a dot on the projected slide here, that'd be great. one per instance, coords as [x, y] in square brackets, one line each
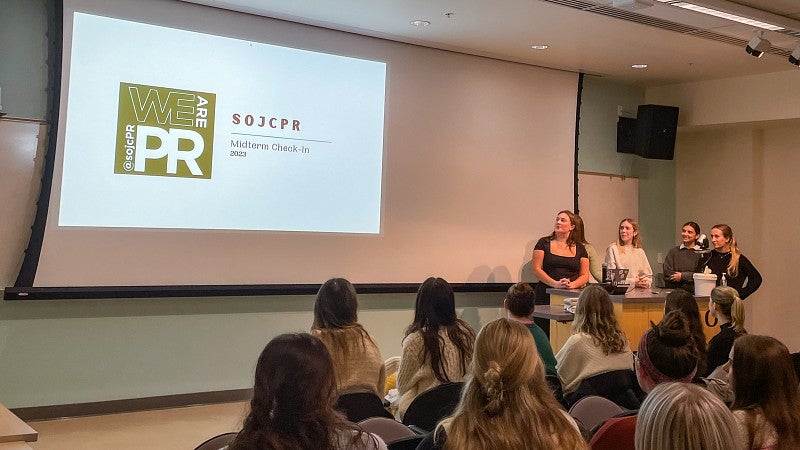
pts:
[176, 129]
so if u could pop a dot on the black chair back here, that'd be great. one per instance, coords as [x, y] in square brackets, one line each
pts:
[217, 442]
[409, 443]
[433, 405]
[619, 386]
[358, 406]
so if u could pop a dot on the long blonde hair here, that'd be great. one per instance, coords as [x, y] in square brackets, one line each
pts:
[506, 402]
[727, 300]
[733, 264]
[594, 316]
[685, 416]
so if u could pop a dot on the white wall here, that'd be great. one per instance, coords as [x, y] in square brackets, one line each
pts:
[773, 96]
[742, 170]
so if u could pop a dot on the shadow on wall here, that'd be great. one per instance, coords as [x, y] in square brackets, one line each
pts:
[526, 271]
[486, 274]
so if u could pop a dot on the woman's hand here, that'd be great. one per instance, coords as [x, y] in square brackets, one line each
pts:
[642, 282]
[565, 283]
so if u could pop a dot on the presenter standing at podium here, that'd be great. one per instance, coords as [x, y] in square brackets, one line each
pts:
[730, 266]
[627, 253]
[559, 261]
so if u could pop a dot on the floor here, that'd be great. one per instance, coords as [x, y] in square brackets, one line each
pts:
[177, 428]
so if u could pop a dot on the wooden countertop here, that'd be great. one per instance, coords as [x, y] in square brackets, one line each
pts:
[13, 429]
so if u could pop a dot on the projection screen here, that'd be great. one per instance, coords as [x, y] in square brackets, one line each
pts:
[198, 146]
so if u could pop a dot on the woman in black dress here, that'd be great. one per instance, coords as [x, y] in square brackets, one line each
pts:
[559, 261]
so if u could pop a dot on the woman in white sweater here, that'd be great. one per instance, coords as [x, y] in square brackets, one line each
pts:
[438, 345]
[627, 253]
[597, 344]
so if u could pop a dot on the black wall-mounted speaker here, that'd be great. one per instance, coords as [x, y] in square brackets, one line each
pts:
[656, 126]
[626, 135]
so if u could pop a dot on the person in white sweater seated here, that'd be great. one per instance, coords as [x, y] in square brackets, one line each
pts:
[627, 253]
[438, 345]
[597, 344]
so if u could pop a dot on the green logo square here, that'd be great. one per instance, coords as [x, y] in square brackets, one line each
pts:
[164, 132]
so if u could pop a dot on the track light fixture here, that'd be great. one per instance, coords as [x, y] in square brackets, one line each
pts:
[794, 58]
[758, 45]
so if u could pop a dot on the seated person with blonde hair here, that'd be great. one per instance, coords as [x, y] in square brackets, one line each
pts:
[687, 417]
[506, 403]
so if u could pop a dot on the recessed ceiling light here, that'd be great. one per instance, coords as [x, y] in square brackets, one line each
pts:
[540, 47]
[639, 66]
[420, 23]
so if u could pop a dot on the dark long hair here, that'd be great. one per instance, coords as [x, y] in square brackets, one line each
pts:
[681, 300]
[336, 317]
[293, 397]
[764, 378]
[435, 310]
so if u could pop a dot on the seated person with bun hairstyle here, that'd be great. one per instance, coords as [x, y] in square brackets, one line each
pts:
[506, 403]
[666, 353]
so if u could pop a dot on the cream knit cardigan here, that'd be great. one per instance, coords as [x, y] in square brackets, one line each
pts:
[415, 376]
[580, 358]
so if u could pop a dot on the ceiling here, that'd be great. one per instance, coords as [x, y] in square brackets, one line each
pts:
[587, 36]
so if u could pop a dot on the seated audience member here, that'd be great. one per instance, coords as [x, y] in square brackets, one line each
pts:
[437, 347]
[666, 353]
[727, 308]
[597, 344]
[765, 397]
[627, 253]
[687, 417]
[357, 362]
[685, 302]
[506, 403]
[519, 303]
[293, 398]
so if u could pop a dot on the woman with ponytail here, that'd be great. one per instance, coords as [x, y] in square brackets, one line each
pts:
[730, 266]
[293, 398]
[506, 403]
[728, 310]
